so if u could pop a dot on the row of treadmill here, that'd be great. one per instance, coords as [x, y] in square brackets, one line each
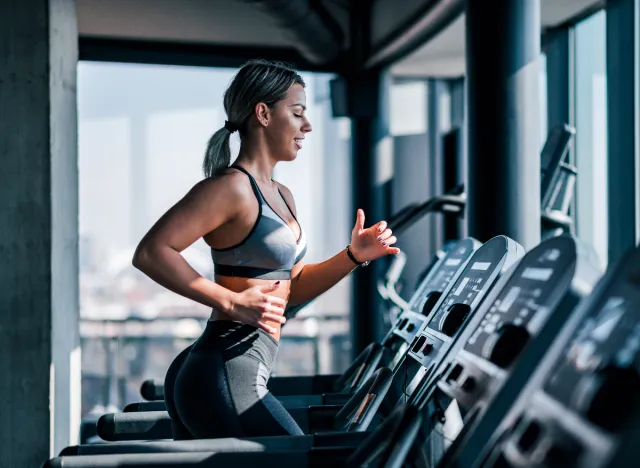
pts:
[501, 358]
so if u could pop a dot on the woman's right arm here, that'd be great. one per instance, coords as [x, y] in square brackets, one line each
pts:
[208, 205]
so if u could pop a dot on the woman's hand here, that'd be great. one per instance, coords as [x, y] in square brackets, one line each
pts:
[373, 242]
[254, 306]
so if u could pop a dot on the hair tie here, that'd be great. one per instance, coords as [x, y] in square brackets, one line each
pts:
[230, 126]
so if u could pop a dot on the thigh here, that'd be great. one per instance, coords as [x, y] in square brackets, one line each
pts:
[260, 413]
[203, 398]
[267, 417]
[180, 432]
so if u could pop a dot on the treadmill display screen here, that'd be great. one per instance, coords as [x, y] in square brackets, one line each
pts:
[480, 266]
[527, 297]
[472, 280]
[537, 274]
[446, 272]
[610, 335]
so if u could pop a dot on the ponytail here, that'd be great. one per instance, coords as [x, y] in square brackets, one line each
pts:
[257, 81]
[218, 153]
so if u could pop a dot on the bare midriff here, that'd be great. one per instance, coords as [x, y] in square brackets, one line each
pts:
[238, 285]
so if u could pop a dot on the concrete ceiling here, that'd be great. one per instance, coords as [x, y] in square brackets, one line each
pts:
[237, 23]
[228, 22]
[444, 55]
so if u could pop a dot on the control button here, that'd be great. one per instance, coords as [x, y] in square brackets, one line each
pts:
[607, 396]
[455, 373]
[469, 384]
[411, 327]
[529, 437]
[560, 455]
[418, 344]
[427, 348]
[454, 318]
[505, 344]
[562, 451]
[432, 299]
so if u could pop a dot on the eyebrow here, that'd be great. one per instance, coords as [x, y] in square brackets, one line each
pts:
[299, 104]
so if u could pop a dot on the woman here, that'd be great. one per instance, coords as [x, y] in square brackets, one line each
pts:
[250, 223]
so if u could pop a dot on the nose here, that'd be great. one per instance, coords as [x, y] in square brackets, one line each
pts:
[306, 127]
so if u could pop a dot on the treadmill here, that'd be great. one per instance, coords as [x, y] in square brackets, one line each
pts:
[484, 371]
[501, 253]
[580, 408]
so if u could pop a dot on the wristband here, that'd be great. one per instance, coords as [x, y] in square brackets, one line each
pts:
[353, 259]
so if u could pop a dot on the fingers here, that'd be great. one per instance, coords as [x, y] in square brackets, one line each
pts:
[391, 250]
[381, 226]
[267, 328]
[273, 318]
[390, 241]
[384, 236]
[276, 301]
[269, 287]
[268, 308]
[270, 317]
[359, 220]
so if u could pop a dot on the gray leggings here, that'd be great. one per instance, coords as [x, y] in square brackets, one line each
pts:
[221, 389]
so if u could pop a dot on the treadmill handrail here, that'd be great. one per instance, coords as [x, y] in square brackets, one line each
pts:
[447, 203]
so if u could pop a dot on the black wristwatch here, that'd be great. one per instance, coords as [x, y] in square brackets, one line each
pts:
[353, 259]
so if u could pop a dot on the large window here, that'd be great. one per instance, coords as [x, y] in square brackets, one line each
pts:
[591, 132]
[142, 134]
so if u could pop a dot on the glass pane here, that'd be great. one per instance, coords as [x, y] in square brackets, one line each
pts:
[142, 134]
[591, 133]
[408, 108]
[542, 82]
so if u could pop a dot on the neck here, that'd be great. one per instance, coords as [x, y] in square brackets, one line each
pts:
[256, 159]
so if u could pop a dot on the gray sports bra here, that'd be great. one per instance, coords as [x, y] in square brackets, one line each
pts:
[269, 251]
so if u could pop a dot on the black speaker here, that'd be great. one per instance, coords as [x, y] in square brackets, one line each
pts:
[338, 96]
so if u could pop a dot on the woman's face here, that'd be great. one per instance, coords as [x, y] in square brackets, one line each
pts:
[287, 124]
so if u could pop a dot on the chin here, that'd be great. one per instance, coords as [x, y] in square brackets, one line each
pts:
[290, 156]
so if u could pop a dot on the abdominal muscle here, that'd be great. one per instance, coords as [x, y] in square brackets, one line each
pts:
[238, 285]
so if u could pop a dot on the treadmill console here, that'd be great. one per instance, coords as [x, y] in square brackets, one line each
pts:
[524, 304]
[442, 274]
[439, 278]
[401, 336]
[523, 318]
[581, 407]
[463, 297]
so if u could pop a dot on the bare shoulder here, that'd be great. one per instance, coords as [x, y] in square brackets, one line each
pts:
[231, 187]
[286, 193]
[209, 204]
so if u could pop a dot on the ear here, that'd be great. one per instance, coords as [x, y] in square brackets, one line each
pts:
[263, 114]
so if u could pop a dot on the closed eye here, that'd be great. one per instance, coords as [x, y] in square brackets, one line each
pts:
[297, 115]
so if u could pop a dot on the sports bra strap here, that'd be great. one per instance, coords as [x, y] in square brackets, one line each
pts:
[288, 207]
[261, 197]
[254, 184]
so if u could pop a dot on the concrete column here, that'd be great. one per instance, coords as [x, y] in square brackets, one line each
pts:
[39, 342]
[503, 49]
[436, 163]
[456, 140]
[372, 153]
[623, 125]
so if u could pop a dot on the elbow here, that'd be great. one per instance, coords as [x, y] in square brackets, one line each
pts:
[141, 257]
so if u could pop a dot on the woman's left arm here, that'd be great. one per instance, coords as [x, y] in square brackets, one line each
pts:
[310, 281]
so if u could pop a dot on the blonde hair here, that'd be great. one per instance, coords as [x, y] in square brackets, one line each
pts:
[256, 81]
